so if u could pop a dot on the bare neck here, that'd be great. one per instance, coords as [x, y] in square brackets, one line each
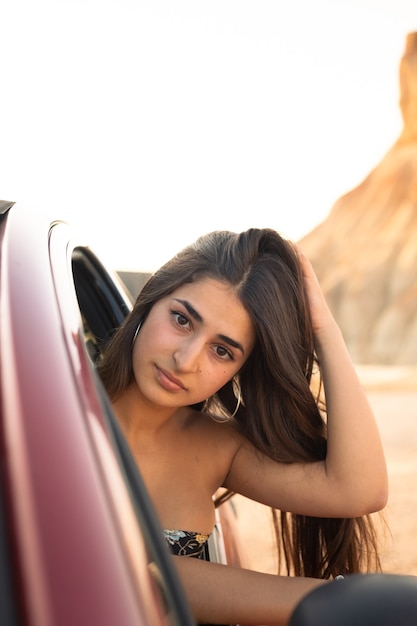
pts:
[139, 418]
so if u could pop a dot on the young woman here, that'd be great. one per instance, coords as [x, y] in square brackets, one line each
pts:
[214, 379]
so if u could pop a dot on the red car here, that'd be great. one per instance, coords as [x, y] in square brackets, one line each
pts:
[79, 541]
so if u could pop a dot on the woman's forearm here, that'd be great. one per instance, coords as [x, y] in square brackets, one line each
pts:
[220, 594]
[355, 458]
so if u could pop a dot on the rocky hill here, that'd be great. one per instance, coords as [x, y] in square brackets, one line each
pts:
[365, 252]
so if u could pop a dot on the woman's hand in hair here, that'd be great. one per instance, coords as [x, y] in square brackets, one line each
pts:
[321, 316]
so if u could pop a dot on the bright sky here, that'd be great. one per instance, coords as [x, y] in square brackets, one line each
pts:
[148, 122]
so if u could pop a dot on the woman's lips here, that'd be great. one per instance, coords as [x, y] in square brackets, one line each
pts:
[168, 381]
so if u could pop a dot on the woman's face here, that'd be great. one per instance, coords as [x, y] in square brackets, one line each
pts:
[192, 342]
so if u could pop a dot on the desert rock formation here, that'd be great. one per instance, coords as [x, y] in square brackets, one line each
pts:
[365, 252]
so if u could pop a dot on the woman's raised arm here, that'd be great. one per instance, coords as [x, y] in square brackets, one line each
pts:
[355, 460]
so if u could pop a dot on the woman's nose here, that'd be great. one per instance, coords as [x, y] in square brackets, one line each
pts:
[187, 356]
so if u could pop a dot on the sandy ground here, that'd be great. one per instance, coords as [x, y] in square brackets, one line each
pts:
[392, 393]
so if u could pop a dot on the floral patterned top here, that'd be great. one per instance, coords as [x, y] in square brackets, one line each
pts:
[186, 543]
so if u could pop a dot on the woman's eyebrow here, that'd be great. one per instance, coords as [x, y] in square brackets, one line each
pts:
[191, 310]
[196, 315]
[232, 342]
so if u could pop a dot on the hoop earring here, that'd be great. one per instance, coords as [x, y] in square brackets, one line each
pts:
[236, 389]
[136, 332]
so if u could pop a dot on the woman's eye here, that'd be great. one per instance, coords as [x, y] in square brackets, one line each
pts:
[223, 353]
[180, 319]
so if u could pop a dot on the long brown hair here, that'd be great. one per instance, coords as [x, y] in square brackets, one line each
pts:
[280, 414]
